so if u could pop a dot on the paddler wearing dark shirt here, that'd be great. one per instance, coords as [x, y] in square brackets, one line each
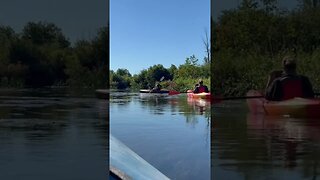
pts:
[200, 88]
[288, 84]
[157, 87]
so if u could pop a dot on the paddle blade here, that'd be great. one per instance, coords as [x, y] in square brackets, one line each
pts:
[173, 93]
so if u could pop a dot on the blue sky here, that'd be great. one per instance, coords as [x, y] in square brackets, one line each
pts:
[148, 32]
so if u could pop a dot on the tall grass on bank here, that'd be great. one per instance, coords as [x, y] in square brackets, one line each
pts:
[234, 75]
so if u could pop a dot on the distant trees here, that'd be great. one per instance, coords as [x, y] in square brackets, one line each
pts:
[147, 78]
[42, 56]
[43, 33]
[121, 79]
[89, 62]
[179, 78]
[253, 28]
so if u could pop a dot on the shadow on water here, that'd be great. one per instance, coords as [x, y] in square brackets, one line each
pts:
[257, 146]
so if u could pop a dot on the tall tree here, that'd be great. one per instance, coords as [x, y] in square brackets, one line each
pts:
[42, 33]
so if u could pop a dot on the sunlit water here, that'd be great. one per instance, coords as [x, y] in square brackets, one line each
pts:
[256, 146]
[51, 135]
[170, 133]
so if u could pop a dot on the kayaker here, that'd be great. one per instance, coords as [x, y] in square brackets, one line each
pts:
[201, 88]
[289, 84]
[272, 76]
[157, 87]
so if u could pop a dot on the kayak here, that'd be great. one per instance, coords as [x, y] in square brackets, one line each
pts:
[126, 164]
[146, 93]
[203, 95]
[296, 107]
[157, 92]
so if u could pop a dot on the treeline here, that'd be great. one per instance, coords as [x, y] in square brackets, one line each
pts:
[41, 55]
[250, 41]
[179, 78]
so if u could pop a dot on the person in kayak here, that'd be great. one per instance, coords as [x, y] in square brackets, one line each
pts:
[200, 88]
[272, 76]
[157, 87]
[289, 84]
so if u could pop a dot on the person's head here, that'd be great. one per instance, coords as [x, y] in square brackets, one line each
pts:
[289, 64]
[200, 82]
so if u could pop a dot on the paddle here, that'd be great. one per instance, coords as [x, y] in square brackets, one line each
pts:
[161, 79]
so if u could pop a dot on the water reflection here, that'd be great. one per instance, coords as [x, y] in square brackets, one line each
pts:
[294, 135]
[256, 146]
[168, 132]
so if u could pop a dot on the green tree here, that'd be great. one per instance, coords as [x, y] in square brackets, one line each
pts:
[172, 70]
[123, 72]
[42, 33]
[141, 79]
[121, 79]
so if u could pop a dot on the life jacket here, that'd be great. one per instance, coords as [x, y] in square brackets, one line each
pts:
[202, 89]
[291, 87]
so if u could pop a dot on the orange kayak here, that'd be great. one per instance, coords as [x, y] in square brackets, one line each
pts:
[206, 96]
[296, 107]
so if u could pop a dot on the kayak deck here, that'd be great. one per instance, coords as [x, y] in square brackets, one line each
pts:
[126, 164]
[203, 95]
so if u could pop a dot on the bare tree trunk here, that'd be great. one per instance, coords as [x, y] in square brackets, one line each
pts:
[206, 43]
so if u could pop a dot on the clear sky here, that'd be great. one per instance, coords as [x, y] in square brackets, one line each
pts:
[78, 19]
[148, 32]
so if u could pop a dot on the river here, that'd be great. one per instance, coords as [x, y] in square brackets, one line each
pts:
[171, 133]
[52, 134]
[255, 146]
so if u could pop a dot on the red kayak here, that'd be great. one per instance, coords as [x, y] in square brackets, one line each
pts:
[296, 107]
[203, 95]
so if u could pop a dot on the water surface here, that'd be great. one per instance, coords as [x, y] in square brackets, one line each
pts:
[49, 134]
[171, 133]
[256, 146]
